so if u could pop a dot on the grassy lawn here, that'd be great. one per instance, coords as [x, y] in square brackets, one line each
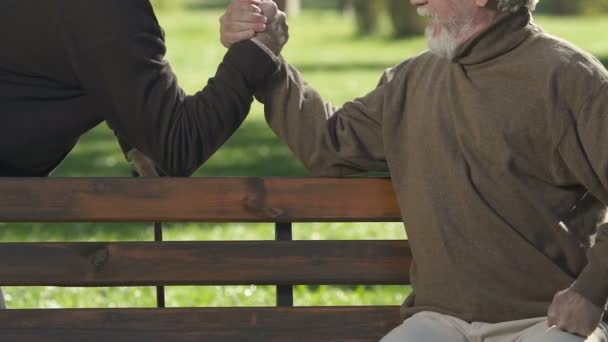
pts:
[340, 66]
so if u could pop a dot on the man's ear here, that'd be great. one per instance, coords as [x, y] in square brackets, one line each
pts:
[482, 3]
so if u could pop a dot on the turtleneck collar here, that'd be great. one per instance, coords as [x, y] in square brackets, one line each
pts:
[499, 38]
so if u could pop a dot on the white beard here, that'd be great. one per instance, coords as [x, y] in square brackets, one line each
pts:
[452, 32]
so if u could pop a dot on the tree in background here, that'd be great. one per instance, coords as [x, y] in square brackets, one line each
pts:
[403, 16]
[405, 20]
[573, 7]
[367, 13]
[597, 6]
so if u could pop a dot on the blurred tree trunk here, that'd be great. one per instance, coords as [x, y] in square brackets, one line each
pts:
[291, 7]
[405, 20]
[367, 13]
[345, 6]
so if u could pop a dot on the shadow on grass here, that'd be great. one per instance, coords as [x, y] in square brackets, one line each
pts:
[253, 150]
[342, 67]
[97, 154]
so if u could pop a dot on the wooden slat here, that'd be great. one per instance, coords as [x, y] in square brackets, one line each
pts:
[205, 263]
[361, 324]
[197, 200]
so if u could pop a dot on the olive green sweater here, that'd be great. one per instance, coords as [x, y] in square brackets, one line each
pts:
[498, 160]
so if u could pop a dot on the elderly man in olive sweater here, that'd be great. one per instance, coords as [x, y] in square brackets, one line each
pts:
[68, 65]
[496, 142]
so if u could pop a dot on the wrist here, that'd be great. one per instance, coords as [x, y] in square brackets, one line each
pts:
[592, 285]
[267, 47]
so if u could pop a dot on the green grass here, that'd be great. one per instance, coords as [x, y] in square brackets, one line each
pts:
[341, 66]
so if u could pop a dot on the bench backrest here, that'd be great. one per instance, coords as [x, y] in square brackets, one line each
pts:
[282, 262]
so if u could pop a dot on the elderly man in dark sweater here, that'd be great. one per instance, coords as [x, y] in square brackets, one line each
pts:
[68, 65]
[495, 140]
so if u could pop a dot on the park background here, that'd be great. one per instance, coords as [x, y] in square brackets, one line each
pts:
[341, 47]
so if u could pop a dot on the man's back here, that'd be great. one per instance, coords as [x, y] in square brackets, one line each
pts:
[40, 94]
[33, 47]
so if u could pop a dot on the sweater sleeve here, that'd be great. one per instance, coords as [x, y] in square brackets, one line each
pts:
[584, 150]
[330, 141]
[117, 49]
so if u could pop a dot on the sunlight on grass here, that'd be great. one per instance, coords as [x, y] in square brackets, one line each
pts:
[56, 297]
[221, 296]
[348, 231]
[219, 232]
[350, 295]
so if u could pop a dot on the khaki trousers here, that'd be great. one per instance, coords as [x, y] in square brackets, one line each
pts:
[435, 327]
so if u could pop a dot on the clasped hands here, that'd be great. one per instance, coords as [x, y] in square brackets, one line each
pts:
[259, 20]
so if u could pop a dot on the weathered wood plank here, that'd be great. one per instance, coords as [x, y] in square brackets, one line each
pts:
[360, 324]
[205, 263]
[197, 200]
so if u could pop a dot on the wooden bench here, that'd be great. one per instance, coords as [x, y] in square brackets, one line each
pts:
[282, 262]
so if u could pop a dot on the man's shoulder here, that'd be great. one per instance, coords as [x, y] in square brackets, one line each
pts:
[574, 74]
[108, 6]
[108, 20]
[404, 69]
[564, 57]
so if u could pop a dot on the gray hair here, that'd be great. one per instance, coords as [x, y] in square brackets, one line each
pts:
[515, 5]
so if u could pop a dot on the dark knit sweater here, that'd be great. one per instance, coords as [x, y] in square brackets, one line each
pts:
[67, 65]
